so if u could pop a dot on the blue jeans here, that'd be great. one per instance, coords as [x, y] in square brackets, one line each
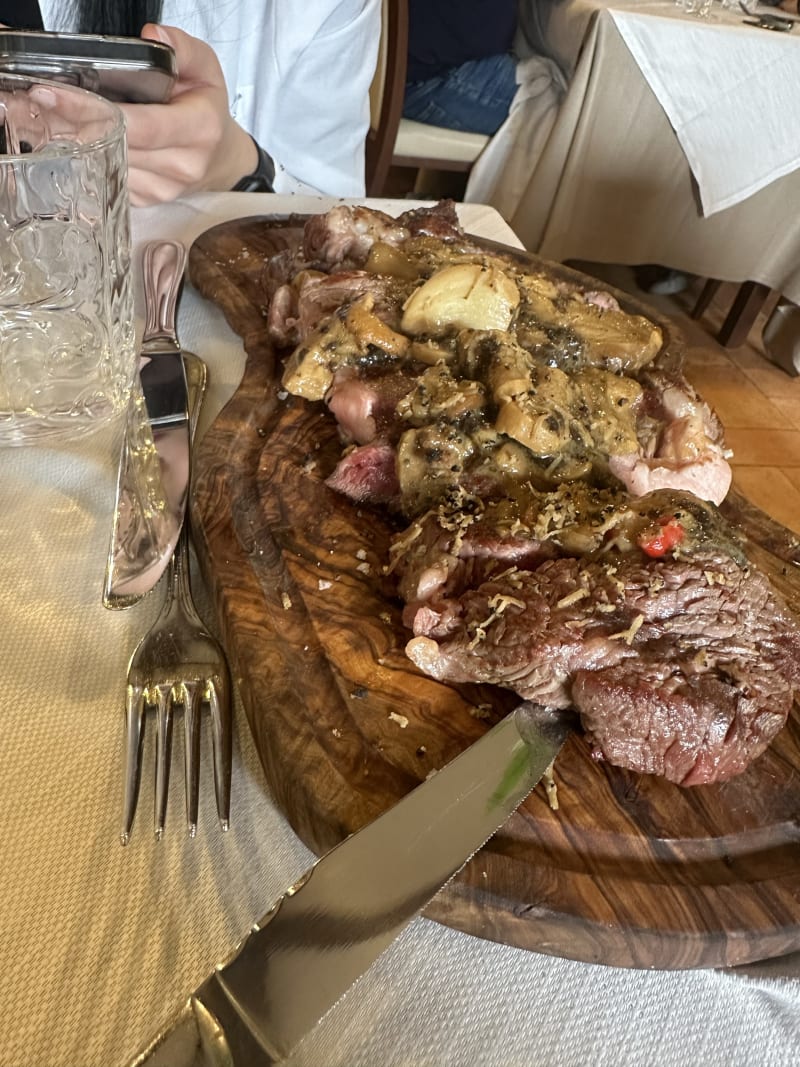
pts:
[474, 97]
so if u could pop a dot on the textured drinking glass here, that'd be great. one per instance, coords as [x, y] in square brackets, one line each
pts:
[700, 8]
[67, 335]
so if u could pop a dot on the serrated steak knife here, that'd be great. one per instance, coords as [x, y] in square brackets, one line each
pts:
[154, 469]
[335, 922]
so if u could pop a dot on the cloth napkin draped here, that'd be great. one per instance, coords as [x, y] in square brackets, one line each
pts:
[727, 90]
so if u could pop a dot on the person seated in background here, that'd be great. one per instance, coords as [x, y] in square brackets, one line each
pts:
[271, 94]
[21, 14]
[461, 69]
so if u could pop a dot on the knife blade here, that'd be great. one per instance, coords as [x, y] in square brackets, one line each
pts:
[328, 928]
[153, 480]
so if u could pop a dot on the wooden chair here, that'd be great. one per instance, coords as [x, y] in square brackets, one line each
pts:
[393, 140]
[748, 303]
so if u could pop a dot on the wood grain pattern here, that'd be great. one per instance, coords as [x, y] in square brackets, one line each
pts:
[630, 871]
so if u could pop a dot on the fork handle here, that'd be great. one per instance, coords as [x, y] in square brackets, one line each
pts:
[178, 583]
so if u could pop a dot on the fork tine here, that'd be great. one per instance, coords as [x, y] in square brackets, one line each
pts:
[191, 696]
[219, 701]
[163, 750]
[134, 740]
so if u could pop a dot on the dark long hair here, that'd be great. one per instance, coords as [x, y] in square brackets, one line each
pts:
[123, 18]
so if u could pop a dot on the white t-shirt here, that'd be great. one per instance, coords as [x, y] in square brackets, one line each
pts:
[298, 75]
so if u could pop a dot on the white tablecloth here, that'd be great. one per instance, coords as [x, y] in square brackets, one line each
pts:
[724, 86]
[595, 171]
[100, 944]
[726, 90]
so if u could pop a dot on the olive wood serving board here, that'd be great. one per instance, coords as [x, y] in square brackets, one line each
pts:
[630, 870]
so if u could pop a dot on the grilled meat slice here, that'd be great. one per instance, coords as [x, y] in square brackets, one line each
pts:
[301, 307]
[365, 404]
[684, 668]
[439, 220]
[343, 236]
[367, 474]
[680, 442]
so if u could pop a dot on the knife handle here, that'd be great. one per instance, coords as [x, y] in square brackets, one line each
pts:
[163, 265]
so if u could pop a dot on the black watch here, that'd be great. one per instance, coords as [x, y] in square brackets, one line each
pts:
[261, 179]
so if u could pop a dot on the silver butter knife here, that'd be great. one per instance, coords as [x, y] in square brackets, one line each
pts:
[333, 924]
[154, 469]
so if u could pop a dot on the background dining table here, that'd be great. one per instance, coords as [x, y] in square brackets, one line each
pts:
[100, 944]
[649, 135]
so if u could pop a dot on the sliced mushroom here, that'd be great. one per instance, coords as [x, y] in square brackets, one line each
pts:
[467, 295]
[429, 461]
[437, 394]
[368, 329]
[309, 370]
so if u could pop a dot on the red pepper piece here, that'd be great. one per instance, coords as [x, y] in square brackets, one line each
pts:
[658, 542]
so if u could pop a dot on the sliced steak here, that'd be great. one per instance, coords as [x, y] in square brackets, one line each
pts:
[681, 443]
[364, 404]
[367, 474]
[445, 553]
[527, 630]
[344, 235]
[684, 668]
[297, 310]
[440, 220]
[661, 718]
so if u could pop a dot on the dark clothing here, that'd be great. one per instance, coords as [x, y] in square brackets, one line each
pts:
[475, 96]
[120, 18]
[443, 34]
[21, 14]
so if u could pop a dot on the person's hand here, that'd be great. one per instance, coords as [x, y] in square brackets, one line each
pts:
[191, 142]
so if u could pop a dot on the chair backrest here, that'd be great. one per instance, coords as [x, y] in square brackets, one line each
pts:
[386, 94]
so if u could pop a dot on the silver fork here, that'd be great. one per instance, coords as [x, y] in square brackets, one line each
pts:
[178, 662]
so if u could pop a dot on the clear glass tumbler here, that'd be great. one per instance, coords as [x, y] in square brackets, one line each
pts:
[67, 330]
[700, 8]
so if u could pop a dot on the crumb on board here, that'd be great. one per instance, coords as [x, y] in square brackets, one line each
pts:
[481, 711]
[628, 635]
[336, 731]
[286, 600]
[550, 787]
[401, 720]
[361, 554]
[323, 584]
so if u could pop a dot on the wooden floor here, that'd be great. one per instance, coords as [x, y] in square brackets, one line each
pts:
[758, 403]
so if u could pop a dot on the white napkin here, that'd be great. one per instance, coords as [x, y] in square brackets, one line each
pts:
[502, 171]
[728, 91]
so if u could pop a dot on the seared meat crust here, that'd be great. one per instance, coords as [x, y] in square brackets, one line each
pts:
[680, 669]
